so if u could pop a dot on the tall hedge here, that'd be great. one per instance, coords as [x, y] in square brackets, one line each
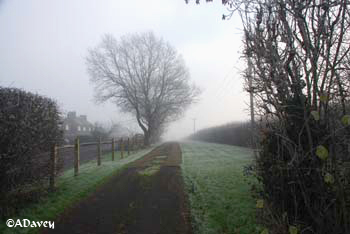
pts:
[237, 133]
[29, 126]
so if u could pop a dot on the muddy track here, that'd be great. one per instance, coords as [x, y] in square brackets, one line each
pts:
[147, 197]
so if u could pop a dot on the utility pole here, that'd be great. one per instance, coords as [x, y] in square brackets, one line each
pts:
[251, 92]
[252, 121]
[194, 125]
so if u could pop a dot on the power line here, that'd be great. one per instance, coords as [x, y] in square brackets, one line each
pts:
[225, 86]
[221, 86]
[221, 90]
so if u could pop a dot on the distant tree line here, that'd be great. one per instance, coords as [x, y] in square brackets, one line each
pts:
[235, 133]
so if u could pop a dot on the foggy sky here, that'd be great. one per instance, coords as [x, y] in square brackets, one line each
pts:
[44, 43]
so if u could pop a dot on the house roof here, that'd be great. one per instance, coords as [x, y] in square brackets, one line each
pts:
[78, 121]
[83, 122]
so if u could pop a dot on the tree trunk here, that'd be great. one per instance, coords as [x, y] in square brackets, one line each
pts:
[146, 139]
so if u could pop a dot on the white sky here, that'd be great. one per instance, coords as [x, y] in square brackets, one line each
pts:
[43, 44]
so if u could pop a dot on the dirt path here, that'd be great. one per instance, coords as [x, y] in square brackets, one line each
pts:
[145, 198]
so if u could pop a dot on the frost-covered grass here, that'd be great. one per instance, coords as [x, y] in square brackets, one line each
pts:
[71, 189]
[219, 195]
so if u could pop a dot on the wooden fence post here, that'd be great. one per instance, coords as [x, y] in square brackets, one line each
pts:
[121, 148]
[128, 146]
[53, 161]
[132, 144]
[76, 156]
[113, 148]
[99, 152]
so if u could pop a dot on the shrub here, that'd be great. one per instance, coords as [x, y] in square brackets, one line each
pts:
[304, 189]
[29, 126]
[230, 134]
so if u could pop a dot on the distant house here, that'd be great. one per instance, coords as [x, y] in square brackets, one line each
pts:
[118, 131]
[139, 138]
[74, 126]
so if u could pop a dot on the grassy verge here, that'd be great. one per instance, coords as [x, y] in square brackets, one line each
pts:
[71, 189]
[219, 195]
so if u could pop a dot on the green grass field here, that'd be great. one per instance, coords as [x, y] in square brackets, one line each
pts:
[219, 195]
[71, 189]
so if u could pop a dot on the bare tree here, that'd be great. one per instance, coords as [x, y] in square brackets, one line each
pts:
[143, 75]
[299, 51]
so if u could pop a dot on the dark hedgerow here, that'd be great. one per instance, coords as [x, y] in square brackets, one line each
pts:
[29, 126]
[236, 133]
[304, 190]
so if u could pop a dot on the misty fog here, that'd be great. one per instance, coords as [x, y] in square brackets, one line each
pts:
[44, 45]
